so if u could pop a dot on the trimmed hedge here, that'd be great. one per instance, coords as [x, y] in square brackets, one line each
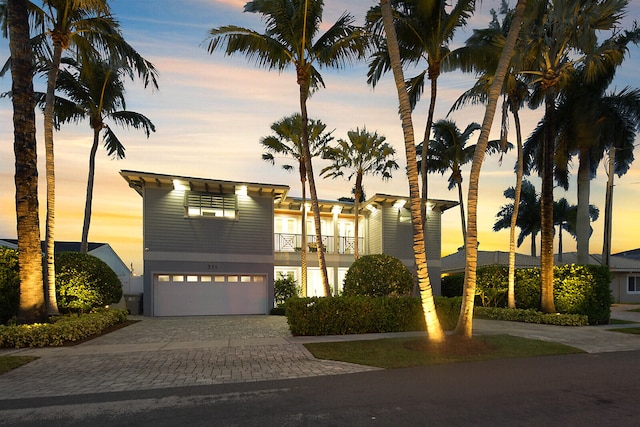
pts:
[360, 315]
[530, 316]
[64, 328]
[378, 275]
[578, 289]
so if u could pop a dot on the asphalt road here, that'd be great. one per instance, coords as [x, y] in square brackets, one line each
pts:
[571, 390]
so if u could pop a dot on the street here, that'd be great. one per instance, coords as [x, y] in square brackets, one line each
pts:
[571, 390]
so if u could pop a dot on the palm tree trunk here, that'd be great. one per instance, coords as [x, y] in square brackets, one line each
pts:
[546, 207]
[84, 245]
[608, 210]
[583, 223]
[534, 250]
[356, 208]
[32, 306]
[560, 243]
[303, 82]
[52, 305]
[465, 321]
[303, 245]
[425, 149]
[511, 293]
[434, 329]
[461, 202]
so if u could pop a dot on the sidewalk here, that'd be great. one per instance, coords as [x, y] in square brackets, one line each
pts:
[177, 352]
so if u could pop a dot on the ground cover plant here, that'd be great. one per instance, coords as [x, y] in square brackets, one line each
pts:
[418, 351]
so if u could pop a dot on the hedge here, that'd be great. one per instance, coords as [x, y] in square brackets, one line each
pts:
[62, 329]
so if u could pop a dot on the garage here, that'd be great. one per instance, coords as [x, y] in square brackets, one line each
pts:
[197, 294]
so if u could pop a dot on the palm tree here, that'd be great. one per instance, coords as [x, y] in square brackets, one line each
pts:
[449, 152]
[424, 30]
[364, 153]
[526, 216]
[32, 308]
[287, 142]
[434, 329]
[481, 54]
[562, 35]
[88, 27]
[620, 124]
[465, 321]
[95, 90]
[291, 27]
[565, 217]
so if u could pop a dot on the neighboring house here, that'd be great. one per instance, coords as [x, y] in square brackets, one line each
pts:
[625, 271]
[102, 251]
[215, 247]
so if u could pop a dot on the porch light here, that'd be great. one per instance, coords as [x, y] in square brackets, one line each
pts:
[181, 185]
[399, 204]
[336, 209]
[371, 208]
[241, 190]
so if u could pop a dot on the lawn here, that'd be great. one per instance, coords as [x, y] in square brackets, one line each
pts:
[8, 363]
[406, 352]
[635, 331]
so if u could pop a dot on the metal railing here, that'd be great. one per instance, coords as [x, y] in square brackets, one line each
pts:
[289, 242]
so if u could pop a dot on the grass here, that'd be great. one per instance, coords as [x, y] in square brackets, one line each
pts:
[8, 363]
[406, 352]
[620, 322]
[637, 310]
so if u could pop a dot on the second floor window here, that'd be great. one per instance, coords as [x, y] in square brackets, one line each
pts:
[211, 205]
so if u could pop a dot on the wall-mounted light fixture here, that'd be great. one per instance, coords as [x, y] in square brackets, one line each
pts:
[181, 185]
[241, 190]
[399, 204]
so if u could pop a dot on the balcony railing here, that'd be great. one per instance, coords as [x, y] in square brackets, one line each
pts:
[289, 242]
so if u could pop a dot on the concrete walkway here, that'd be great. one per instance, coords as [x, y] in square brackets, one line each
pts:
[176, 352]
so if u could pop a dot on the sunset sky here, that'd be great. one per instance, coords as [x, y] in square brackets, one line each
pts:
[211, 111]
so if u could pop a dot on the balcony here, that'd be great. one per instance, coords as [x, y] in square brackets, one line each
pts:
[288, 242]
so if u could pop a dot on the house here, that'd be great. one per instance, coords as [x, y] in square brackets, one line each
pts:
[102, 251]
[625, 271]
[215, 247]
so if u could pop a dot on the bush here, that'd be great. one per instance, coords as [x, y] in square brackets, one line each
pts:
[360, 315]
[9, 284]
[452, 285]
[492, 285]
[84, 282]
[62, 329]
[583, 289]
[378, 275]
[530, 316]
[285, 287]
[527, 288]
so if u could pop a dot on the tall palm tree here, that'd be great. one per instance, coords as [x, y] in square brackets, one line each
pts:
[562, 36]
[363, 154]
[449, 152]
[565, 217]
[620, 124]
[424, 31]
[287, 142]
[465, 321]
[527, 216]
[291, 27]
[434, 329]
[88, 27]
[32, 306]
[480, 54]
[95, 90]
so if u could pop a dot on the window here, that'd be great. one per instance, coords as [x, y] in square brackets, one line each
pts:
[633, 286]
[211, 205]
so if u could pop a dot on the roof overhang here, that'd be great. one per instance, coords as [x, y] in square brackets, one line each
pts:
[139, 180]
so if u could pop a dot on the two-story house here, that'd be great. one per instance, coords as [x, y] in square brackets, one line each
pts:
[215, 247]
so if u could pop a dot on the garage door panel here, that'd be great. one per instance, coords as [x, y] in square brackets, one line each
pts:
[196, 298]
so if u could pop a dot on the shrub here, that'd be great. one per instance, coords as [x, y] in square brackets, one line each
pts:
[9, 284]
[377, 276]
[64, 328]
[583, 289]
[84, 282]
[360, 315]
[492, 285]
[527, 288]
[452, 285]
[285, 287]
[530, 316]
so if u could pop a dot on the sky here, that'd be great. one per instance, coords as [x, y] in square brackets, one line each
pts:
[211, 111]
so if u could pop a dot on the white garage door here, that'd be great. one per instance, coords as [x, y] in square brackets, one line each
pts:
[209, 294]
